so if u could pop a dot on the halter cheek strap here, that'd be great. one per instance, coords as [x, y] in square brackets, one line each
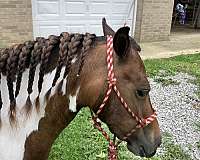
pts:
[142, 122]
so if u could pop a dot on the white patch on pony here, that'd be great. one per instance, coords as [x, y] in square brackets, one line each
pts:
[12, 140]
[64, 86]
[74, 60]
[54, 89]
[72, 101]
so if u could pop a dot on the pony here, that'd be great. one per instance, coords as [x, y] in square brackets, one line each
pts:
[44, 83]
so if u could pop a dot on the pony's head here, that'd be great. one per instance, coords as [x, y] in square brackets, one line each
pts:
[132, 83]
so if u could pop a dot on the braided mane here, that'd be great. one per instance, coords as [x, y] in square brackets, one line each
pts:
[53, 52]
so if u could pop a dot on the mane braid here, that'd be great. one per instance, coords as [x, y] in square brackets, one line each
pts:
[34, 60]
[63, 53]
[23, 57]
[4, 54]
[64, 40]
[87, 42]
[1, 103]
[0, 85]
[3, 61]
[11, 71]
[46, 51]
[73, 48]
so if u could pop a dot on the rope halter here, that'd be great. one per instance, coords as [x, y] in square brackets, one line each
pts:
[142, 122]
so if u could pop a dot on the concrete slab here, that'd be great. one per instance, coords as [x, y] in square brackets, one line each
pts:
[181, 42]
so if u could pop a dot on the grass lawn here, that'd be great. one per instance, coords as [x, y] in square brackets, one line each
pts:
[80, 141]
[185, 63]
[1, 45]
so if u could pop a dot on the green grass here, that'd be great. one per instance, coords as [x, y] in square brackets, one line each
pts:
[80, 141]
[170, 66]
[184, 63]
[166, 82]
[173, 151]
[2, 46]
[197, 126]
[198, 144]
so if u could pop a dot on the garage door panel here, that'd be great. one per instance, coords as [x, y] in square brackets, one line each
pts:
[48, 8]
[120, 23]
[55, 16]
[116, 16]
[97, 29]
[120, 8]
[99, 8]
[47, 30]
[75, 28]
[121, 1]
[75, 8]
[96, 17]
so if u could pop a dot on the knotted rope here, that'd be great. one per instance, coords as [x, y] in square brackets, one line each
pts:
[142, 122]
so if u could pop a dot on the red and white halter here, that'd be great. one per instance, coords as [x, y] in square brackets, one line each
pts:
[142, 122]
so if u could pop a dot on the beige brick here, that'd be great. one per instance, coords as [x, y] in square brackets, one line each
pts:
[153, 22]
[15, 22]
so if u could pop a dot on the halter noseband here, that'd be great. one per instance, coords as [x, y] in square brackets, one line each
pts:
[142, 122]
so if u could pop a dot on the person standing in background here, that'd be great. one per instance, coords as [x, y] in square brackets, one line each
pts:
[181, 10]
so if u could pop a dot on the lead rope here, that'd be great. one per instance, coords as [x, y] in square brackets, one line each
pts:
[112, 149]
[142, 122]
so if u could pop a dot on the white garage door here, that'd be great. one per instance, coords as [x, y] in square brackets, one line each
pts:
[56, 16]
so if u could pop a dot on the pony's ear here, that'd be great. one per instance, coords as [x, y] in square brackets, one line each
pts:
[121, 41]
[107, 30]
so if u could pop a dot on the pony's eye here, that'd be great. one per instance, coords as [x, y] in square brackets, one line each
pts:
[142, 93]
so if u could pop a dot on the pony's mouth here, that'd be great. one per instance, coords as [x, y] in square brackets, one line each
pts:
[139, 151]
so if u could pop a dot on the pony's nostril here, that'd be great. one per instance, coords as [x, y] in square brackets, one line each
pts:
[158, 142]
[142, 151]
[151, 155]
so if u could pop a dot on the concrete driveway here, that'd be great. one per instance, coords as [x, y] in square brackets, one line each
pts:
[181, 42]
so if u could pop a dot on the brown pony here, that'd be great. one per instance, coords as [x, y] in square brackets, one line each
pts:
[50, 80]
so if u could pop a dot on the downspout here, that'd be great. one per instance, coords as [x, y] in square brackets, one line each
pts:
[134, 18]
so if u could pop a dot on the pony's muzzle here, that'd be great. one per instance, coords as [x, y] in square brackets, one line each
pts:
[144, 149]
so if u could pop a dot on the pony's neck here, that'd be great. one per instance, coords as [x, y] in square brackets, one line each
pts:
[57, 117]
[93, 76]
[60, 110]
[84, 90]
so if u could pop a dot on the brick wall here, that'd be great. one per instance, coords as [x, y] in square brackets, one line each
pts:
[15, 21]
[153, 21]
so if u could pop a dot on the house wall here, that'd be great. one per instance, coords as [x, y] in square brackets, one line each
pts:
[153, 21]
[15, 21]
